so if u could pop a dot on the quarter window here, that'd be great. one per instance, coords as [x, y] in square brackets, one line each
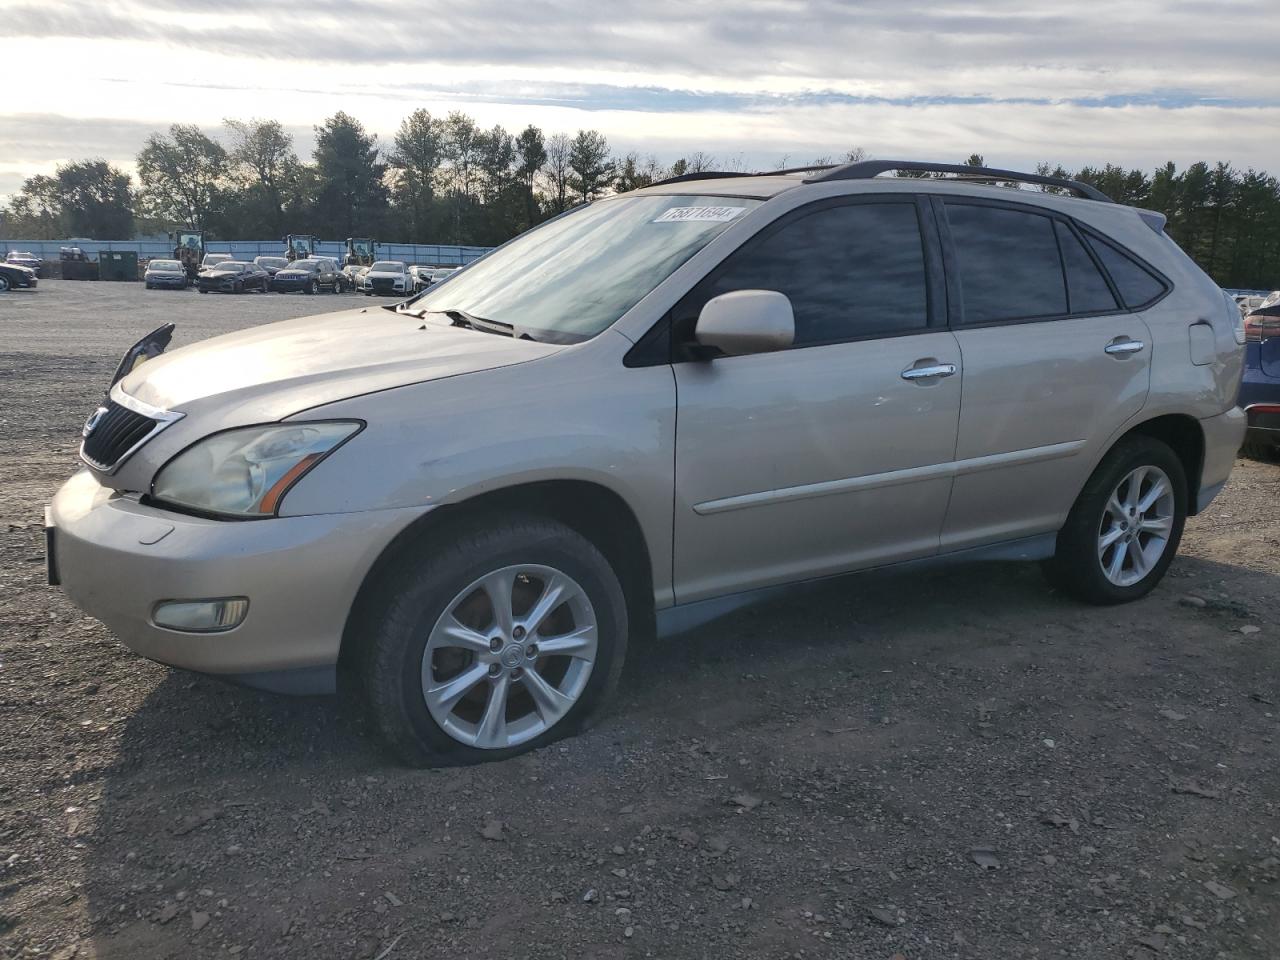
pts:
[850, 271]
[1008, 263]
[1087, 290]
[1137, 286]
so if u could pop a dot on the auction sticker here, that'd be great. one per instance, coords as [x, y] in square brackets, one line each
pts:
[707, 214]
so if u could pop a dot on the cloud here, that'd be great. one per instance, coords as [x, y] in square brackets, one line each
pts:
[1132, 83]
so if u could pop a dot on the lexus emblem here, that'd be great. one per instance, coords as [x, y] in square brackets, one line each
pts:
[91, 424]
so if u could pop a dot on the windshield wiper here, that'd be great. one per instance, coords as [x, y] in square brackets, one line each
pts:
[461, 318]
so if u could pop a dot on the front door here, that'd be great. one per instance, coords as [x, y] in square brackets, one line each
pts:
[835, 454]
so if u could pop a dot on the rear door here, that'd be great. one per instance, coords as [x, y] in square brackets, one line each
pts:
[1053, 366]
[834, 454]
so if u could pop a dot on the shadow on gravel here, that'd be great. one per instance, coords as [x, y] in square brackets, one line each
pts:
[255, 815]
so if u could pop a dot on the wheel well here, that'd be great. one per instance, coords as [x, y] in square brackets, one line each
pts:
[593, 511]
[1185, 437]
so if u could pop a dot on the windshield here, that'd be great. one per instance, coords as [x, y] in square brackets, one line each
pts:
[388, 266]
[575, 276]
[164, 265]
[304, 265]
[271, 261]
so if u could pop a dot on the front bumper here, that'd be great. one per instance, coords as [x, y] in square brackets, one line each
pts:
[117, 558]
[289, 284]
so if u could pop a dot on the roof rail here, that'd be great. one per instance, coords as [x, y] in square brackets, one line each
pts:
[701, 175]
[718, 174]
[866, 169]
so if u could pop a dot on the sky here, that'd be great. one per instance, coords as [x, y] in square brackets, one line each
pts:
[752, 82]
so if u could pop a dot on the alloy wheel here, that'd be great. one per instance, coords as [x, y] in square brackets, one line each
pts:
[510, 656]
[1136, 523]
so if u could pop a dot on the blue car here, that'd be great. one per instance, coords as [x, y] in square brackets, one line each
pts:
[1260, 389]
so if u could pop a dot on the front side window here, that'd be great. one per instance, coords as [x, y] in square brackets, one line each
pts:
[1008, 263]
[575, 276]
[850, 271]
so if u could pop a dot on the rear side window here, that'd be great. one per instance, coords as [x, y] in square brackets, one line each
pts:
[1087, 290]
[850, 271]
[1009, 263]
[1137, 285]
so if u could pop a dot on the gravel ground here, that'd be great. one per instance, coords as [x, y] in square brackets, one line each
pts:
[950, 764]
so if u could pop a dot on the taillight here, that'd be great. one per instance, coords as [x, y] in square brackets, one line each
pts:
[1258, 327]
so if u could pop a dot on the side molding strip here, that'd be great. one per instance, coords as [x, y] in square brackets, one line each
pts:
[871, 481]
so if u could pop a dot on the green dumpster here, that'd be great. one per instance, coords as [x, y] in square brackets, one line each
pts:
[118, 265]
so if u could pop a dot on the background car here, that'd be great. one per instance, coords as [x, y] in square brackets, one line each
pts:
[421, 277]
[213, 259]
[310, 275]
[354, 272]
[166, 274]
[271, 264]
[233, 276]
[14, 277]
[388, 278]
[24, 258]
[1260, 388]
[443, 273]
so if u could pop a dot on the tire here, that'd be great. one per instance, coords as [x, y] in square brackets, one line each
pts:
[1259, 450]
[313, 287]
[4, 284]
[148, 286]
[337, 286]
[1078, 566]
[203, 290]
[403, 621]
[237, 287]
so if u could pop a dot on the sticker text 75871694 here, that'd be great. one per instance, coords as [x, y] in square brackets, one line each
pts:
[706, 214]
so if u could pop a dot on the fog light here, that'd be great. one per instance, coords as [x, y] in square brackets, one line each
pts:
[201, 616]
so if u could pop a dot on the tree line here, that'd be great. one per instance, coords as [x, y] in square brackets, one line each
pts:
[447, 180]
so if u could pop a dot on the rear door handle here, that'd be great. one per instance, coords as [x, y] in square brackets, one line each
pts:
[1120, 347]
[929, 372]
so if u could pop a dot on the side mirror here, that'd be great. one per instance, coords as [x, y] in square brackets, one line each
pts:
[746, 321]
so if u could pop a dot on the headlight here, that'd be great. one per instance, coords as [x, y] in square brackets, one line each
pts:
[247, 472]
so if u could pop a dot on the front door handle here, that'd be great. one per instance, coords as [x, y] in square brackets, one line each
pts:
[1120, 347]
[929, 372]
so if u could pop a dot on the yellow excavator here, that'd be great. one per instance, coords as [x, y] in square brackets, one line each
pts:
[299, 246]
[361, 252]
[188, 249]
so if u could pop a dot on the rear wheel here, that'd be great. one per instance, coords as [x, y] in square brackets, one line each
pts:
[1124, 529]
[500, 640]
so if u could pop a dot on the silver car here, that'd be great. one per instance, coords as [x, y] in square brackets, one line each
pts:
[652, 407]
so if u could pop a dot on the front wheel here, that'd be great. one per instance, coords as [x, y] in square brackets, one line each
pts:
[203, 290]
[497, 641]
[4, 284]
[313, 287]
[1124, 529]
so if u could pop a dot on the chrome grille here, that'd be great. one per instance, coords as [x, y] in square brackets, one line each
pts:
[116, 430]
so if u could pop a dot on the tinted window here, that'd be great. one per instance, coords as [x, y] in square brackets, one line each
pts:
[849, 271]
[1009, 264]
[1087, 290]
[1136, 284]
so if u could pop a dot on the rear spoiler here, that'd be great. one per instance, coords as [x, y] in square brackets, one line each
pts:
[1155, 221]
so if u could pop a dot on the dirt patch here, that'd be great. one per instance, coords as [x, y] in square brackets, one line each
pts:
[952, 764]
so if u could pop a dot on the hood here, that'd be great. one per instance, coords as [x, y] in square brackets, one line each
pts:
[294, 272]
[273, 371]
[385, 274]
